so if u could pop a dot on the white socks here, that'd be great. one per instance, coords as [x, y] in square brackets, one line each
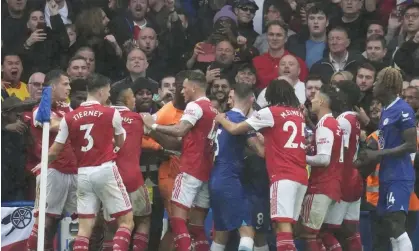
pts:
[402, 243]
[246, 244]
[263, 248]
[217, 247]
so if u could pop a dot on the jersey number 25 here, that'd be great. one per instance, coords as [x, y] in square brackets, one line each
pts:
[291, 126]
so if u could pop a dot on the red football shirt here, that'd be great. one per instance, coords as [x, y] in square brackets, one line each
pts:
[91, 129]
[352, 186]
[329, 141]
[66, 161]
[128, 157]
[283, 130]
[197, 146]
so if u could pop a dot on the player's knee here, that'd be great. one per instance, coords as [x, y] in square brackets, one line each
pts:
[394, 223]
[247, 231]
[283, 227]
[126, 221]
[348, 229]
[197, 215]
[221, 237]
[142, 223]
[51, 225]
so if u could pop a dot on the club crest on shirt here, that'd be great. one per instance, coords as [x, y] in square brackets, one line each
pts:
[385, 122]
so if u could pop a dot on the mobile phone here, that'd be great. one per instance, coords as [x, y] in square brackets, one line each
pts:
[41, 26]
[209, 53]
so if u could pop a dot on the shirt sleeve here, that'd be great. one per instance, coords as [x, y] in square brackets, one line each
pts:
[193, 112]
[324, 140]
[407, 119]
[117, 123]
[261, 100]
[62, 132]
[261, 119]
[346, 127]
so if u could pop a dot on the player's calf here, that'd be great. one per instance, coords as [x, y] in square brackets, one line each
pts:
[141, 233]
[349, 232]
[394, 223]
[247, 233]
[51, 225]
[122, 236]
[220, 240]
[197, 230]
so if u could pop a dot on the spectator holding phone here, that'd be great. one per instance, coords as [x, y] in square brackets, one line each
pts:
[41, 49]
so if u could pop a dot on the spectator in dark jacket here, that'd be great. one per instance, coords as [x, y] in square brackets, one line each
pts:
[339, 58]
[14, 135]
[42, 45]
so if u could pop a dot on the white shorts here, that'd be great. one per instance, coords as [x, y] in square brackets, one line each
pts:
[104, 184]
[141, 205]
[286, 199]
[343, 211]
[61, 193]
[314, 210]
[188, 191]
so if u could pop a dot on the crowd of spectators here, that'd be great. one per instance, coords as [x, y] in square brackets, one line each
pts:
[146, 42]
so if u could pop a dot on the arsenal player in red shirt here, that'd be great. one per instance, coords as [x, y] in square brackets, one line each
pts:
[347, 211]
[282, 125]
[92, 130]
[197, 127]
[128, 162]
[62, 178]
[326, 173]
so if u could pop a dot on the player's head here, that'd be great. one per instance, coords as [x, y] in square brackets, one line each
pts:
[98, 87]
[327, 100]
[194, 85]
[60, 84]
[350, 93]
[389, 83]
[179, 100]
[122, 95]
[243, 95]
[281, 92]
[230, 100]
[78, 93]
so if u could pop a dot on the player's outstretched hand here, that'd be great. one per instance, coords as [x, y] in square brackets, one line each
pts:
[148, 119]
[220, 117]
[36, 168]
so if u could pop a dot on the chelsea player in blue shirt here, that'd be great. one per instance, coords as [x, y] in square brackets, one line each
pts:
[229, 202]
[397, 140]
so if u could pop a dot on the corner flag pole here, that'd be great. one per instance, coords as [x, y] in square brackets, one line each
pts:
[43, 116]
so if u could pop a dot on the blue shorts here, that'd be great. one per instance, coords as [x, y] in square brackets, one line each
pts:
[261, 217]
[394, 196]
[230, 205]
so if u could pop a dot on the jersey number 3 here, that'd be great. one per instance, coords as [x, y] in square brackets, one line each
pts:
[87, 136]
[290, 125]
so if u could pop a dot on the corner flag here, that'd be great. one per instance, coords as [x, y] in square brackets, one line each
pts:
[43, 117]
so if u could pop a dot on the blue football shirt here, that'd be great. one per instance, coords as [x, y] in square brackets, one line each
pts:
[395, 118]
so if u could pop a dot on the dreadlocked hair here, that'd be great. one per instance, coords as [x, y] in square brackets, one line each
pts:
[349, 92]
[281, 92]
[337, 101]
[392, 80]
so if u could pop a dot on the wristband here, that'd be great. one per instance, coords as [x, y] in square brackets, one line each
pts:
[154, 127]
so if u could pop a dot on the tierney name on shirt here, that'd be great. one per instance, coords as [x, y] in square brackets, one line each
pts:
[86, 114]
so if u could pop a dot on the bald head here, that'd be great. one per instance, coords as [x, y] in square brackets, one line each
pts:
[289, 66]
[147, 40]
